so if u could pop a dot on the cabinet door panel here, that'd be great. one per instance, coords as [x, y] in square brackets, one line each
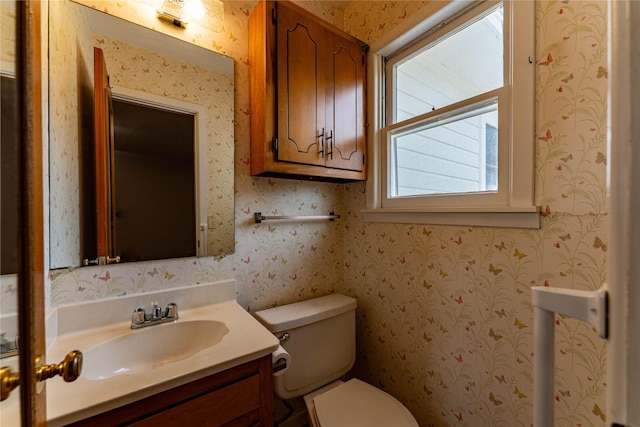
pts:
[213, 409]
[345, 107]
[300, 88]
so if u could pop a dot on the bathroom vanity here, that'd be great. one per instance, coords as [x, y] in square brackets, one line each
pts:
[210, 367]
[240, 396]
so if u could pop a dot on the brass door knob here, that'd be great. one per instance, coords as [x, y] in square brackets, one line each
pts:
[69, 369]
[9, 381]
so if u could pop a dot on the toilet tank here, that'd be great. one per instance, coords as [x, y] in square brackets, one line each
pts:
[321, 343]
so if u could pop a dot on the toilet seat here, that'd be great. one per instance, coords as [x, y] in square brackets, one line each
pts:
[358, 404]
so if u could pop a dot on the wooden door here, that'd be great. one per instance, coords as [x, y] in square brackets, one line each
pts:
[346, 69]
[301, 82]
[103, 139]
[31, 238]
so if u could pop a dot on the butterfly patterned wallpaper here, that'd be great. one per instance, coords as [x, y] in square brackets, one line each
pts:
[444, 314]
[269, 258]
[8, 36]
[69, 44]
[445, 319]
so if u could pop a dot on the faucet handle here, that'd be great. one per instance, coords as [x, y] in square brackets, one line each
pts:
[137, 317]
[172, 311]
[156, 311]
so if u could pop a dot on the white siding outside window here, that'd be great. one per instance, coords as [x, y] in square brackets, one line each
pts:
[443, 157]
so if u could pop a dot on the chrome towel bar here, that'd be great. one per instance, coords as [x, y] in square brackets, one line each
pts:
[259, 217]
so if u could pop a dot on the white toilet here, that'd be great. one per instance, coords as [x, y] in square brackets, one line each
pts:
[320, 336]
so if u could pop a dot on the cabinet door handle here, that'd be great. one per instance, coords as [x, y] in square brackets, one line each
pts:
[330, 138]
[321, 136]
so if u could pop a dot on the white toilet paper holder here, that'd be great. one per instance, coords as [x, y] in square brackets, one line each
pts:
[280, 360]
[279, 365]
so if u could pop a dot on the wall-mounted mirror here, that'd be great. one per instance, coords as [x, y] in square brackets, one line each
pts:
[9, 184]
[150, 70]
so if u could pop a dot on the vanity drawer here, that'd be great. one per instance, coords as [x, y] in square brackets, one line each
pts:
[218, 408]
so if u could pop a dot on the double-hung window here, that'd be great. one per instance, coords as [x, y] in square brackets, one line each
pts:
[455, 133]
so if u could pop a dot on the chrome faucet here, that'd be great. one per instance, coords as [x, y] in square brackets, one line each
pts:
[140, 318]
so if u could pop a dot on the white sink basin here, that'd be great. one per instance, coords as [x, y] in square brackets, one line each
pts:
[151, 347]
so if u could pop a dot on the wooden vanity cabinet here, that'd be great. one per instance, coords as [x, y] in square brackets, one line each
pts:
[307, 96]
[240, 396]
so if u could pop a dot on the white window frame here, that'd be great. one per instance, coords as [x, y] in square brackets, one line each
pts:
[514, 207]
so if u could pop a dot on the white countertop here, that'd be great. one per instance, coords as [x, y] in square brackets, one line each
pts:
[246, 340]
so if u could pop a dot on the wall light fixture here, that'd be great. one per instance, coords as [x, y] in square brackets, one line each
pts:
[179, 12]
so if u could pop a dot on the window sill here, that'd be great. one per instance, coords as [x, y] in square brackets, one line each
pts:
[525, 217]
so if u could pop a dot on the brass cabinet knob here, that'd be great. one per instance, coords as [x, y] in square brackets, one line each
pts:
[69, 369]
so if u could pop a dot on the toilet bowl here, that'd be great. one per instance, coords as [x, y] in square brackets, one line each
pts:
[356, 404]
[319, 335]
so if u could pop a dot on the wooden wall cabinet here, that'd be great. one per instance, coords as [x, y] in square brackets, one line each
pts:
[308, 88]
[240, 396]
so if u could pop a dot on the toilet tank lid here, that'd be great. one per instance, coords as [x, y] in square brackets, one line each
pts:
[301, 313]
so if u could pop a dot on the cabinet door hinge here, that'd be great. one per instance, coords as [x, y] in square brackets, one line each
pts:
[274, 143]
[274, 15]
[363, 159]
